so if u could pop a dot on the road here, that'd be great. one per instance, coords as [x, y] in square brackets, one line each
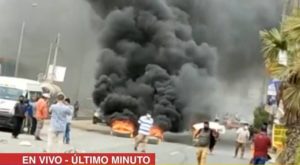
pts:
[90, 141]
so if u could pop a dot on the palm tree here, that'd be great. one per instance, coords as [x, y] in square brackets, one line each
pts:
[286, 39]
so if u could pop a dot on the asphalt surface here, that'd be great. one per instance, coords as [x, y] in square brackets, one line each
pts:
[91, 141]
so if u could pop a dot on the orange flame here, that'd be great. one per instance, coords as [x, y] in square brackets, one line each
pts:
[157, 132]
[123, 126]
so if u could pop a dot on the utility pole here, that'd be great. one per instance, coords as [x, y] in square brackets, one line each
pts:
[263, 90]
[55, 56]
[48, 60]
[19, 49]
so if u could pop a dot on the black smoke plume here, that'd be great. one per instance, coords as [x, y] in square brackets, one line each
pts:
[157, 55]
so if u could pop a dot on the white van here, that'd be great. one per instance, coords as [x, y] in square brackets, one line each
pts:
[10, 90]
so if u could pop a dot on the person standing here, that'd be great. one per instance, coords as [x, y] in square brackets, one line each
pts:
[76, 109]
[69, 120]
[146, 123]
[18, 117]
[59, 113]
[28, 117]
[41, 114]
[261, 145]
[243, 135]
[204, 138]
[34, 121]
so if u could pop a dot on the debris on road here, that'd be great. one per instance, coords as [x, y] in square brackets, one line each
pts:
[3, 141]
[25, 143]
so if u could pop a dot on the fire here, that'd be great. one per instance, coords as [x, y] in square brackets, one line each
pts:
[157, 132]
[123, 126]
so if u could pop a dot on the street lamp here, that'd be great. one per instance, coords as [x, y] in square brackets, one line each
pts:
[19, 49]
[21, 44]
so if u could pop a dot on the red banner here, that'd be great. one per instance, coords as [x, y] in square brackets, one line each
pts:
[77, 159]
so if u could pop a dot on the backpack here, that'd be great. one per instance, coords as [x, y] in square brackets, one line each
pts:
[204, 139]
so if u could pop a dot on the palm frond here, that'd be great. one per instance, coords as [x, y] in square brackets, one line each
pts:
[291, 99]
[291, 26]
[272, 42]
[277, 70]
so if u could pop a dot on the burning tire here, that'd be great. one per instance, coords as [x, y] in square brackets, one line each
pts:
[122, 128]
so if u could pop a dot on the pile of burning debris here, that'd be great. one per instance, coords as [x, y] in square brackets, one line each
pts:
[128, 128]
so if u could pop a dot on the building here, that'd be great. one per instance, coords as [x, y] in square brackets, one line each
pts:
[6, 66]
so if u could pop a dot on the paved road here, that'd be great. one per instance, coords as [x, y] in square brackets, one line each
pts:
[89, 141]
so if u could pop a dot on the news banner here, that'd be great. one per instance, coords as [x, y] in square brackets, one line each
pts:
[77, 159]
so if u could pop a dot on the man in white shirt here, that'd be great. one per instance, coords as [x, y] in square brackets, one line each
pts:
[69, 120]
[58, 122]
[146, 123]
[241, 140]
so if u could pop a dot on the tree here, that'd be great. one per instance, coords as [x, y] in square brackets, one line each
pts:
[260, 117]
[290, 76]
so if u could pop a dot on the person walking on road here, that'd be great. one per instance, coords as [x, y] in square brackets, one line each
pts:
[18, 117]
[146, 123]
[69, 120]
[76, 109]
[41, 114]
[214, 140]
[204, 138]
[243, 135]
[59, 113]
[261, 145]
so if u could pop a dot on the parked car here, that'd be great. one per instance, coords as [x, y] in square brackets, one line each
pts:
[98, 117]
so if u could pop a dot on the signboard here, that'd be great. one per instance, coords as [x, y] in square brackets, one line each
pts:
[273, 89]
[282, 57]
[59, 73]
[278, 136]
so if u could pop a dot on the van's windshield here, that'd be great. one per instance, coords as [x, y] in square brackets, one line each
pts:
[10, 93]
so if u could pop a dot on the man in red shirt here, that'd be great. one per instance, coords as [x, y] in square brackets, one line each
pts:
[261, 145]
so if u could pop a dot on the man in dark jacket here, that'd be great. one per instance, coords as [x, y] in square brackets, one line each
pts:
[18, 117]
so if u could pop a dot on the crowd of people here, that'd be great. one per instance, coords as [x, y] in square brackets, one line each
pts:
[207, 138]
[37, 110]
[30, 115]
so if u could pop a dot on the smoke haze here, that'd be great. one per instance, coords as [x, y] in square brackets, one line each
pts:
[78, 49]
[180, 58]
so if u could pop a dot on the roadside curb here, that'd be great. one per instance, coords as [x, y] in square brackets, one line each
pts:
[87, 125]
